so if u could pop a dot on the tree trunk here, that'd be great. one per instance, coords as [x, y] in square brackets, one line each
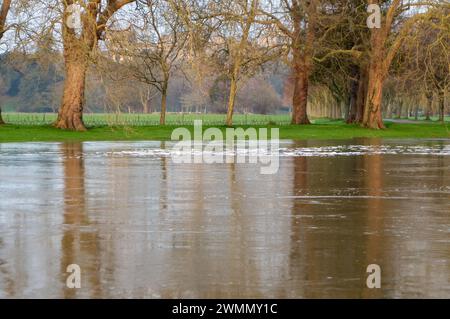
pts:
[1, 119]
[399, 109]
[147, 105]
[78, 46]
[300, 96]
[231, 102]
[429, 107]
[353, 100]
[389, 111]
[77, 49]
[441, 107]
[348, 109]
[381, 56]
[372, 113]
[70, 115]
[362, 94]
[339, 109]
[162, 119]
[146, 101]
[336, 110]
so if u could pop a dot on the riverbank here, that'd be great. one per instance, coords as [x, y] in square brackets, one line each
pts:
[331, 130]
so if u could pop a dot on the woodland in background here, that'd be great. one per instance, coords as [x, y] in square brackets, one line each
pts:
[32, 85]
[311, 58]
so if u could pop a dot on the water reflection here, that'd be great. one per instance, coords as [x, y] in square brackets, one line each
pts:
[141, 226]
[373, 167]
[80, 242]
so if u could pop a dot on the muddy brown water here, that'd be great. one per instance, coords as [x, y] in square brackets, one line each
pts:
[141, 226]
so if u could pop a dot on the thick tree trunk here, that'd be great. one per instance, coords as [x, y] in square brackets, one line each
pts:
[381, 55]
[162, 118]
[372, 113]
[300, 96]
[78, 46]
[231, 102]
[77, 50]
[70, 115]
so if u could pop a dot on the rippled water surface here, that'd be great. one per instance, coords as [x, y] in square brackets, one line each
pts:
[142, 226]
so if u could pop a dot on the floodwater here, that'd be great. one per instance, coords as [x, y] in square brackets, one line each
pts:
[142, 226]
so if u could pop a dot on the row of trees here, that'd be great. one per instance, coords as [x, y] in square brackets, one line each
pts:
[34, 82]
[335, 45]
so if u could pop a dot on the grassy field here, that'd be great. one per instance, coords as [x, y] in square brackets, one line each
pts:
[35, 127]
[125, 119]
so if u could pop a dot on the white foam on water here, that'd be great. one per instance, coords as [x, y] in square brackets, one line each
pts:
[322, 151]
[360, 150]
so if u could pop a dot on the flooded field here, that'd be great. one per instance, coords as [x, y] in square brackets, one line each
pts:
[141, 226]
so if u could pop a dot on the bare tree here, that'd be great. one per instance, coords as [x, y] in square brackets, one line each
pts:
[4, 10]
[79, 41]
[241, 42]
[297, 20]
[146, 95]
[421, 69]
[244, 14]
[437, 58]
[154, 46]
[398, 19]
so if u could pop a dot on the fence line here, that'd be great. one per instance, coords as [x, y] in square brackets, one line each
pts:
[124, 119]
